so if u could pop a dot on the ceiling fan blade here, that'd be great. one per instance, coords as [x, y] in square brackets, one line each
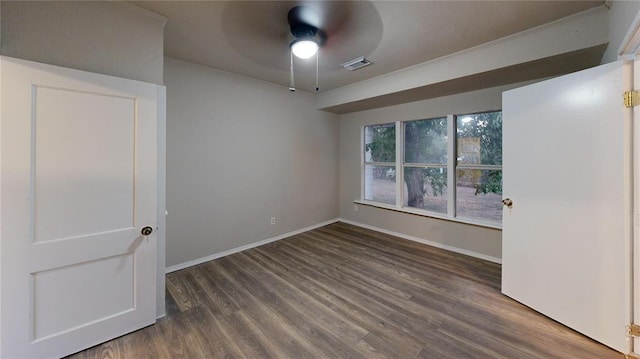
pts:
[329, 16]
[259, 31]
[306, 15]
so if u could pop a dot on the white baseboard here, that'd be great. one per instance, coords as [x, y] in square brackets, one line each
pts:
[293, 233]
[245, 247]
[425, 241]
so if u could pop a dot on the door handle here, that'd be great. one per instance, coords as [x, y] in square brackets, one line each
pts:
[507, 202]
[146, 231]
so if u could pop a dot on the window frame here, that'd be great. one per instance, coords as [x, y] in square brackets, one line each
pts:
[467, 166]
[364, 163]
[404, 164]
[451, 167]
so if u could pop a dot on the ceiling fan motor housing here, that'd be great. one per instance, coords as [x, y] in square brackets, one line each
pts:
[301, 28]
[303, 31]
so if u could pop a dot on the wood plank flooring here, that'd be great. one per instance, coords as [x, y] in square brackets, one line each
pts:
[341, 291]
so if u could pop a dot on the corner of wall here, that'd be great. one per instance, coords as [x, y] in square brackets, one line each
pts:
[232, 167]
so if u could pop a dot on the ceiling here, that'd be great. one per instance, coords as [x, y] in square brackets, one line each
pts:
[251, 38]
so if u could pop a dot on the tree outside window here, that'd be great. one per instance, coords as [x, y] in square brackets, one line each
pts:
[379, 167]
[479, 166]
[425, 166]
[425, 162]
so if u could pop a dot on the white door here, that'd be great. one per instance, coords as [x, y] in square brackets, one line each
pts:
[78, 172]
[567, 168]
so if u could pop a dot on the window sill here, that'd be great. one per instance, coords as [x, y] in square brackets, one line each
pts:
[418, 212]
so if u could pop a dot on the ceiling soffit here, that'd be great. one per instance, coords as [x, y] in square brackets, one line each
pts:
[251, 38]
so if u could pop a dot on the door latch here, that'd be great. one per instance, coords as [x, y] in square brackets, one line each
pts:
[507, 202]
[146, 231]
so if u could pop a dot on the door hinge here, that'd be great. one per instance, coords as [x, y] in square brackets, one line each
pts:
[631, 98]
[633, 330]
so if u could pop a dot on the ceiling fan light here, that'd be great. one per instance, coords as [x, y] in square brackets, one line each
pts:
[304, 49]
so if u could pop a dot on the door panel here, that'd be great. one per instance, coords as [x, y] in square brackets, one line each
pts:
[98, 167]
[78, 184]
[89, 285]
[566, 241]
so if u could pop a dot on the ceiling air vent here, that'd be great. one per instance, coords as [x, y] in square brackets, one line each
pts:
[356, 63]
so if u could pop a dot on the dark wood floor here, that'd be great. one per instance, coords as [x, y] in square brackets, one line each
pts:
[341, 291]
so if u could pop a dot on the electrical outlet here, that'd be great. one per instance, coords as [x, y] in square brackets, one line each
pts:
[355, 208]
[273, 220]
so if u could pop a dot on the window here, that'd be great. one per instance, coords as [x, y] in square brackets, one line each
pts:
[449, 166]
[479, 166]
[425, 164]
[380, 163]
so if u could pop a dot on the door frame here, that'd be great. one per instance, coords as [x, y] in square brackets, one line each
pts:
[161, 201]
[629, 50]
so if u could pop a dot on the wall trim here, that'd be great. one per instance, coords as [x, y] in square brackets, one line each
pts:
[425, 241]
[325, 223]
[246, 246]
[630, 46]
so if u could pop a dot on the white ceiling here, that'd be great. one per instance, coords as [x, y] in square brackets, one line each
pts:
[251, 38]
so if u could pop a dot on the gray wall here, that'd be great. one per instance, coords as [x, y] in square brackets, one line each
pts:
[240, 151]
[101, 37]
[621, 15]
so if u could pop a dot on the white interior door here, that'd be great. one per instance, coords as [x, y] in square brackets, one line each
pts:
[78, 175]
[567, 168]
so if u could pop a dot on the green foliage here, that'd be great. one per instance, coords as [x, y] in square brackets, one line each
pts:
[382, 146]
[488, 127]
[425, 143]
[437, 179]
[491, 183]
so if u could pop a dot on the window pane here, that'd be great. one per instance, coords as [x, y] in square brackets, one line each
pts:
[380, 184]
[426, 188]
[480, 138]
[425, 141]
[380, 143]
[479, 194]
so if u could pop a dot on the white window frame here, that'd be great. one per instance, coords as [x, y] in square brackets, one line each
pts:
[464, 166]
[364, 163]
[404, 165]
[452, 166]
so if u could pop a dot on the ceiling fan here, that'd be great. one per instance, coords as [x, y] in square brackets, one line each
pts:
[304, 23]
[264, 32]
